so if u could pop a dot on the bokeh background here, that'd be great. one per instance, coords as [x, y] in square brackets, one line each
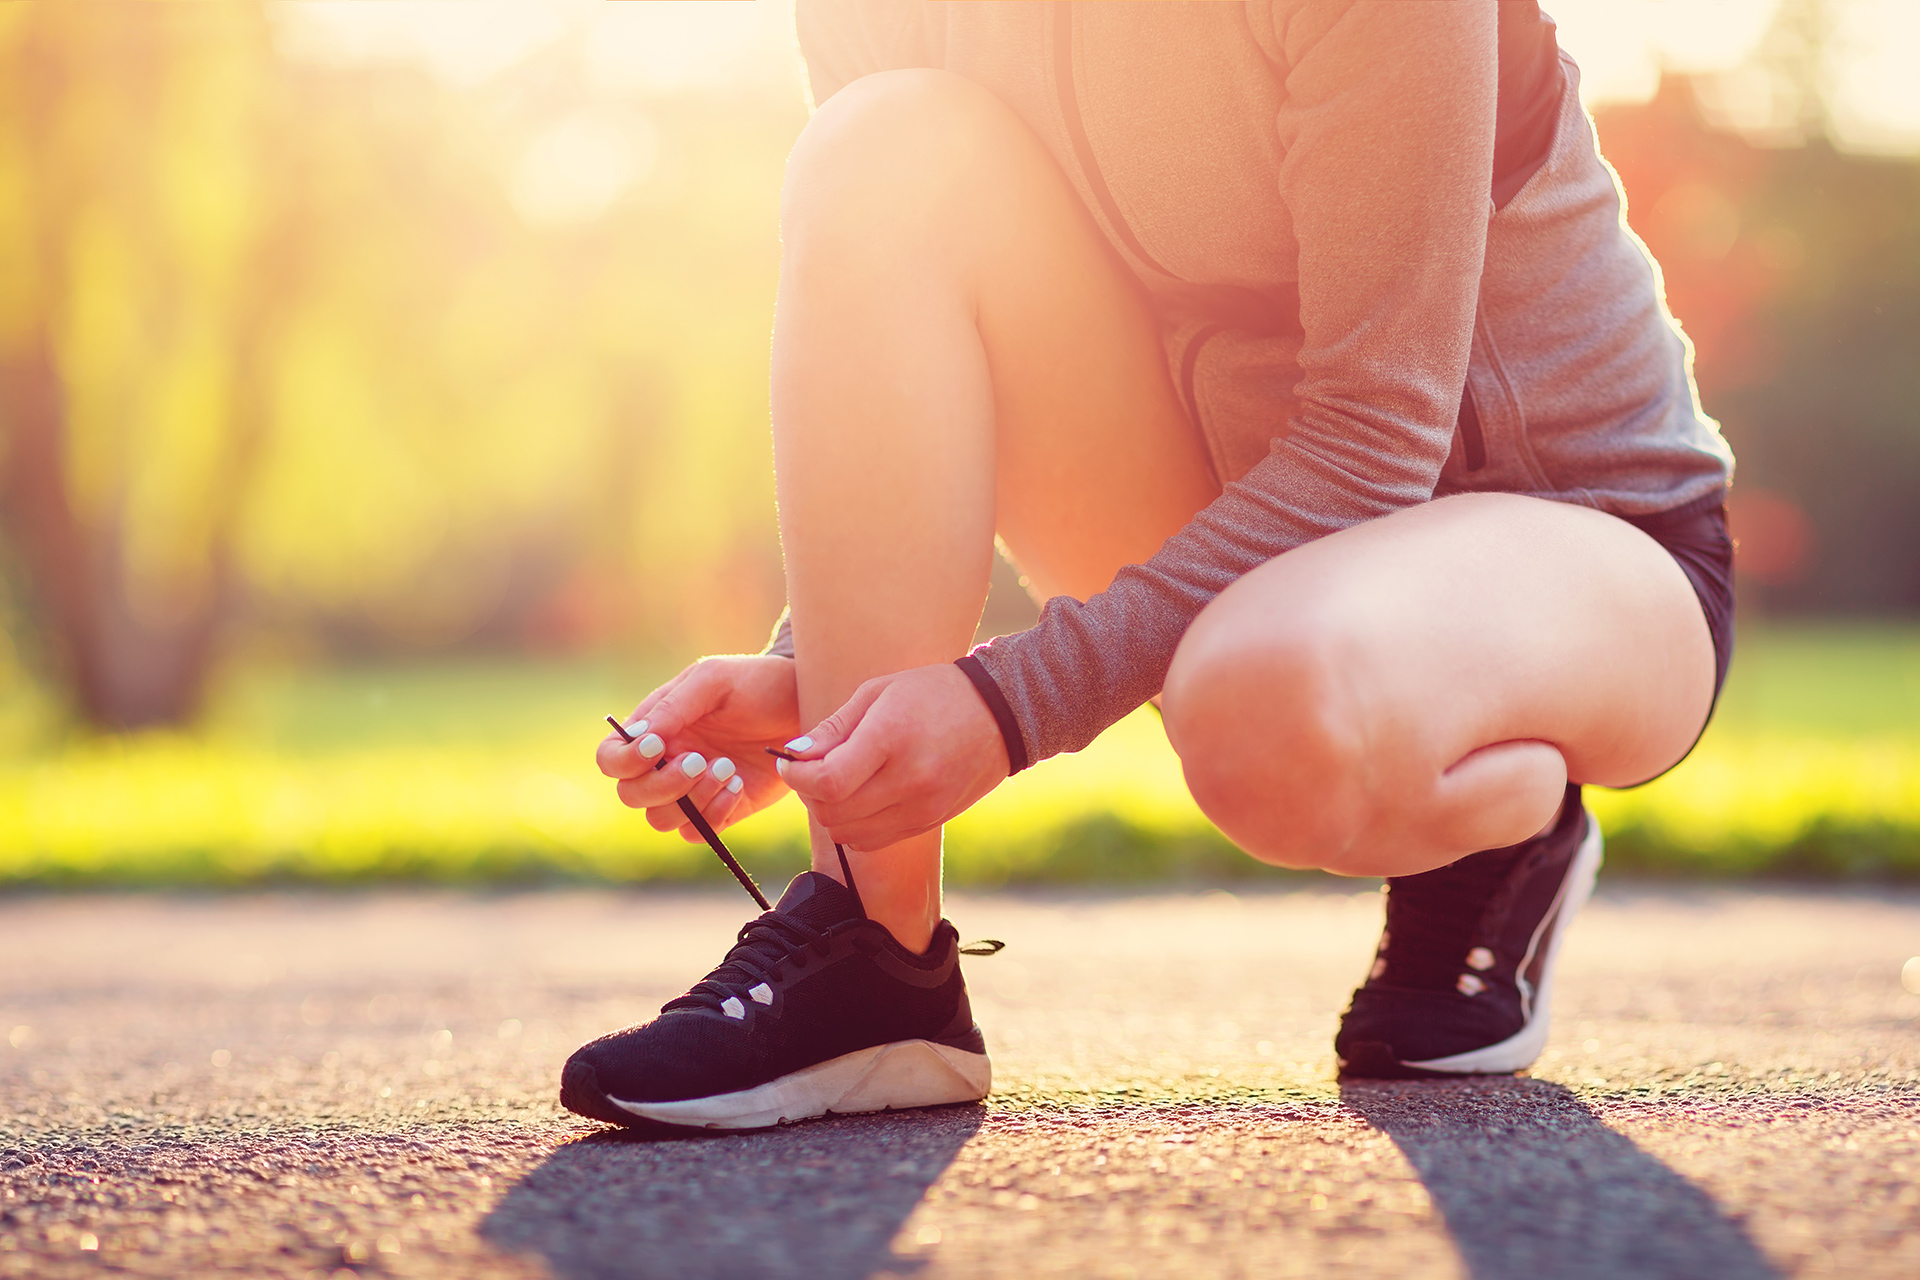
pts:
[383, 398]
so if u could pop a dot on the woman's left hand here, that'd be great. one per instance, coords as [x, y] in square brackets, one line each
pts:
[906, 753]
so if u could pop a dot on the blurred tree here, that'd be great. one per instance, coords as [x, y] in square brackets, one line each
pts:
[133, 288]
[343, 356]
[1795, 269]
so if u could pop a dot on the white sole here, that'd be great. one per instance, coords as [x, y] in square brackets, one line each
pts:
[906, 1073]
[1520, 1049]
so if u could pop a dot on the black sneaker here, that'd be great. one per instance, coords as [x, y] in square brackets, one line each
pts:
[815, 1010]
[1463, 977]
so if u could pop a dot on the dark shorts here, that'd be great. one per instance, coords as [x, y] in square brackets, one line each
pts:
[1696, 537]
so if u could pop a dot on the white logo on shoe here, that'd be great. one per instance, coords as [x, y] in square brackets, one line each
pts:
[732, 1007]
[762, 994]
[1480, 958]
[1469, 985]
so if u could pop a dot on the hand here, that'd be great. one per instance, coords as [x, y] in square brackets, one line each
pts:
[906, 753]
[716, 719]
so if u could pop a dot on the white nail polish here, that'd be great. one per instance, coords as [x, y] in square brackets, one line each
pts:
[651, 745]
[801, 743]
[735, 785]
[694, 765]
[780, 766]
[723, 769]
[637, 728]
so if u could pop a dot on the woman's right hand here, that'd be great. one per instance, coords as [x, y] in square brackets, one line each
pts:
[711, 724]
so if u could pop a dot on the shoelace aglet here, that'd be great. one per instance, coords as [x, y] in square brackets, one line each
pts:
[705, 829]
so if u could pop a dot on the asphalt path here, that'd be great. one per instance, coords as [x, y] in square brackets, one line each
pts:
[296, 1085]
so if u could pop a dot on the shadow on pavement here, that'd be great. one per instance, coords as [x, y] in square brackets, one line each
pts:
[820, 1201]
[1531, 1183]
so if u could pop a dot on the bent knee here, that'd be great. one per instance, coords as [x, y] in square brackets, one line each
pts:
[891, 151]
[1272, 741]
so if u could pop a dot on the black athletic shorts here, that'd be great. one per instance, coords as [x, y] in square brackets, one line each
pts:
[1696, 537]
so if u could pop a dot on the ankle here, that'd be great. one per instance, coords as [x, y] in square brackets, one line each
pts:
[914, 932]
[899, 887]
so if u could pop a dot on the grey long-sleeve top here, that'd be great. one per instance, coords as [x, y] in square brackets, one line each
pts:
[1388, 263]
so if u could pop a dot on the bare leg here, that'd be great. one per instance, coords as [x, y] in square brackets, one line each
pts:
[954, 352]
[1405, 692]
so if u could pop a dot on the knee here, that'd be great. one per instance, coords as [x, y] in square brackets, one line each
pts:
[895, 153]
[1270, 729]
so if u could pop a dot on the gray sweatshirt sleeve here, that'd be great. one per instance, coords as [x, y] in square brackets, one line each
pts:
[1388, 130]
[780, 643]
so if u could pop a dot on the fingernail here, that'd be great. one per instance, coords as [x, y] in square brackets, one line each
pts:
[780, 766]
[801, 743]
[694, 765]
[723, 769]
[651, 745]
[637, 728]
[736, 784]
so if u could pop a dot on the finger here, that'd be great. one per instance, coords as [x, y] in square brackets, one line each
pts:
[666, 817]
[663, 786]
[621, 759]
[885, 787]
[835, 757]
[838, 778]
[718, 811]
[712, 782]
[839, 726]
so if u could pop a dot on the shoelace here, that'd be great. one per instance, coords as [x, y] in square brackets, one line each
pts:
[704, 991]
[765, 942]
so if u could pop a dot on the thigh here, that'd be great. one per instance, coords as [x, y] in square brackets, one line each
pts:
[923, 196]
[1484, 619]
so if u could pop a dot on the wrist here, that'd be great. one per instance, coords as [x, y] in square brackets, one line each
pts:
[998, 707]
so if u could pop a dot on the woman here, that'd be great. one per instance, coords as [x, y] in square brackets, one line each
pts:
[1298, 354]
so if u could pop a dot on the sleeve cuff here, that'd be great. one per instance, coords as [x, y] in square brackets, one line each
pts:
[1002, 713]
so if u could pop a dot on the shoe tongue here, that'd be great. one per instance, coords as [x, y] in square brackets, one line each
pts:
[819, 901]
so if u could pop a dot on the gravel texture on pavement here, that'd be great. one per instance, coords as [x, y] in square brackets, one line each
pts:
[301, 1085]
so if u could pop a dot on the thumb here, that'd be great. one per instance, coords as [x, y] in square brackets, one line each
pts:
[813, 776]
[685, 703]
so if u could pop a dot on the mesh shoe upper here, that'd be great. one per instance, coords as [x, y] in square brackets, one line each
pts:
[808, 981]
[1460, 960]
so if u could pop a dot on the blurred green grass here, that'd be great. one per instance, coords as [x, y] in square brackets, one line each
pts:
[483, 773]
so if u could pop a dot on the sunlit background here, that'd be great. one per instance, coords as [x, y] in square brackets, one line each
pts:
[383, 397]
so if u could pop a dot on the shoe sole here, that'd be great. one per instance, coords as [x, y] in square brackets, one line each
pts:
[887, 1077]
[1519, 1050]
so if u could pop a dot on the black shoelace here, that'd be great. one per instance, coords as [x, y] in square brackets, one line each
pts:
[746, 953]
[765, 944]
[712, 837]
